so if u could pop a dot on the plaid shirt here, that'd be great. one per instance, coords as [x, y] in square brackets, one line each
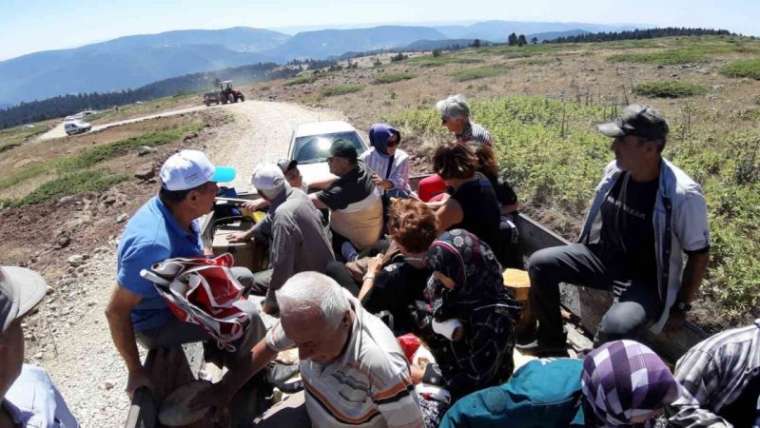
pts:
[713, 374]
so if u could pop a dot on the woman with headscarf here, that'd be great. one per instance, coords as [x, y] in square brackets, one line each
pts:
[468, 318]
[620, 384]
[389, 163]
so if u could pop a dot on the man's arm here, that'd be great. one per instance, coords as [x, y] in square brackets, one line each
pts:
[285, 236]
[220, 394]
[317, 202]
[123, 335]
[694, 272]
[699, 374]
[322, 184]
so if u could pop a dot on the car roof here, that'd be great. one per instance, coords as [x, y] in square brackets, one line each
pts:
[318, 128]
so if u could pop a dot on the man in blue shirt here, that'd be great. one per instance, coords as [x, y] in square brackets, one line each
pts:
[165, 227]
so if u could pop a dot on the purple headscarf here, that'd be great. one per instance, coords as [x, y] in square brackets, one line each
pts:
[625, 383]
[379, 134]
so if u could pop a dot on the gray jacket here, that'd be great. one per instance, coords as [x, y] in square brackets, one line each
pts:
[299, 240]
[680, 224]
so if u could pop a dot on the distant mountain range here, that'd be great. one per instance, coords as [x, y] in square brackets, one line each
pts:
[133, 61]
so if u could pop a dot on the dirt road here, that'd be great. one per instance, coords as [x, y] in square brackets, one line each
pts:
[59, 132]
[75, 344]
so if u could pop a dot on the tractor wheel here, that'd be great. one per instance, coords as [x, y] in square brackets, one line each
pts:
[242, 98]
[232, 98]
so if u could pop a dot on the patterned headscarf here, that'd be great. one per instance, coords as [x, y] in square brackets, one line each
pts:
[463, 257]
[625, 384]
[379, 134]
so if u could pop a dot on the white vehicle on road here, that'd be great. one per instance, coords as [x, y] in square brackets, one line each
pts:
[310, 146]
[76, 127]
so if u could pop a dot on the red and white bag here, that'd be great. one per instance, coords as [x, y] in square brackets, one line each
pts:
[202, 291]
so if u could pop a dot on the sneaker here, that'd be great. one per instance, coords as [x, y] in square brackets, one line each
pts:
[543, 350]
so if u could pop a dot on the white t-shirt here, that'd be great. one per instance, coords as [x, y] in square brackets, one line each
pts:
[34, 402]
[369, 386]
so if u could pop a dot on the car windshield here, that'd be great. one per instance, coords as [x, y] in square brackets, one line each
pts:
[316, 148]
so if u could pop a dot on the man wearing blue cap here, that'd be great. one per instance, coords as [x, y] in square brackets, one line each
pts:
[164, 227]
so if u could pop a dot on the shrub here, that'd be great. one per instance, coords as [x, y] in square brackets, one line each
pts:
[70, 184]
[393, 77]
[340, 90]
[668, 89]
[479, 72]
[399, 57]
[437, 61]
[743, 68]
[301, 80]
[667, 57]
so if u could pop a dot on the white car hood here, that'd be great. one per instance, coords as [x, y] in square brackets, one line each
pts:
[314, 172]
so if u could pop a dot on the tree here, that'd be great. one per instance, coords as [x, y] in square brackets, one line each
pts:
[476, 43]
[521, 40]
[512, 39]
[534, 40]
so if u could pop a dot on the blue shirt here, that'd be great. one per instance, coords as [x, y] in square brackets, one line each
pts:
[34, 402]
[152, 235]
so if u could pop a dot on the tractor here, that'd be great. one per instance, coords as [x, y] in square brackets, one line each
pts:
[226, 94]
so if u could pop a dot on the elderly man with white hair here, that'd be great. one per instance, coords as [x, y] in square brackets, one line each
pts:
[299, 240]
[353, 369]
[455, 116]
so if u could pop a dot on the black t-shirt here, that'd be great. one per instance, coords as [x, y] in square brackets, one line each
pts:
[745, 410]
[627, 235]
[481, 210]
[353, 187]
[504, 192]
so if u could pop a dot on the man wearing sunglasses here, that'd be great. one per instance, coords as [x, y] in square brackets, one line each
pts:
[646, 215]
[455, 116]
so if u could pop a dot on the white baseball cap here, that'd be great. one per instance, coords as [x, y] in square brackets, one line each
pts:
[20, 290]
[268, 179]
[188, 169]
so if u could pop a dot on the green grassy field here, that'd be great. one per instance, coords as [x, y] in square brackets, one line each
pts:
[74, 173]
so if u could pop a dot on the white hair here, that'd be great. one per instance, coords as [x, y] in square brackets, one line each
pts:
[453, 106]
[307, 291]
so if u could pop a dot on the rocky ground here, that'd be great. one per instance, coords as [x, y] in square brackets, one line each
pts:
[73, 241]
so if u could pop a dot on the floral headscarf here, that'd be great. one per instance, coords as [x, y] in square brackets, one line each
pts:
[467, 260]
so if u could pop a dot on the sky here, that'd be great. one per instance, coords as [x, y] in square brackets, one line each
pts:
[34, 25]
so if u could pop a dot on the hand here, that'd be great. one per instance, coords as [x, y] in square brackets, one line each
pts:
[676, 321]
[136, 379]
[238, 237]
[375, 264]
[218, 397]
[254, 205]
[416, 373]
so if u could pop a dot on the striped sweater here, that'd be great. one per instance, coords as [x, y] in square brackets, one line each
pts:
[713, 374]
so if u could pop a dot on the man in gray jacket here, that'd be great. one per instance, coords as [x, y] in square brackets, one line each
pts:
[299, 240]
[645, 216]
